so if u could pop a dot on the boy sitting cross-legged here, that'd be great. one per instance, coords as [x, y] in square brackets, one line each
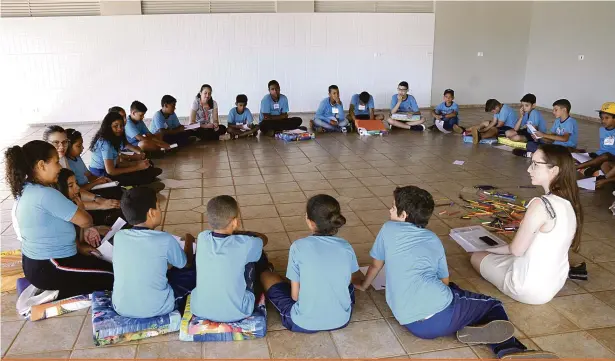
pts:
[240, 119]
[417, 285]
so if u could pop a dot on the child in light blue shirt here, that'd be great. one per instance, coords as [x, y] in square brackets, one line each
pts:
[137, 133]
[527, 115]
[404, 105]
[447, 112]
[504, 119]
[274, 110]
[240, 119]
[417, 281]
[226, 265]
[144, 286]
[320, 268]
[330, 113]
[604, 158]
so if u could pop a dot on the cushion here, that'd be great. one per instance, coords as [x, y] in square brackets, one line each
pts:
[198, 329]
[110, 328]
[371, 127]
[294, 135]
[468, 139]
[510, 143]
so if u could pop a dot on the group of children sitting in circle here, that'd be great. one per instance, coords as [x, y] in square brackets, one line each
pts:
[58, 214]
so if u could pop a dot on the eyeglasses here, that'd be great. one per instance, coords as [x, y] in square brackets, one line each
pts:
[56, 143]
[534, 163]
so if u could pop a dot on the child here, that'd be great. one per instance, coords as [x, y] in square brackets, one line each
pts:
[604, 158]
[404, 104]
[504, 119]
[527, 115]
[166, 126]
[240, 119]
[225, 264]
[106, 160]
[320, 294]
[448, 112]
[417, 284]
[564, 131]
[274, 112]
[118, 109]
[362, 108]
[137, 133]
[330, 113]
[144, 286]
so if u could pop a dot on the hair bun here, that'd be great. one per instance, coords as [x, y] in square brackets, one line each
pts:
[338, 220]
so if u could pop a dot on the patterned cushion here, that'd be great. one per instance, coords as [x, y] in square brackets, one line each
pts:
[110, 328]
[197, 329]
[510, 143]
[468, 139]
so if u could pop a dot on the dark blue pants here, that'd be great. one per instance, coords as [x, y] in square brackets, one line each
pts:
[466, 309]
[532, 146]
[181, 139]
[449, 122]
[182, 281]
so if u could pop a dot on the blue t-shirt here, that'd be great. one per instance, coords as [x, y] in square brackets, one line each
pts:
[221, 294]
[323, 266]
[415, 264]
[607, 141]
[507, 115]
[442, 109]
[362, 109]
[238, 119]
[535, 118]
[407, 106]
[160, 122]
[569, 126]
[103, 150]
[268, 106]
[325, 111]
[78, 167]
[140, 258]
[42, 221]
[133, 129]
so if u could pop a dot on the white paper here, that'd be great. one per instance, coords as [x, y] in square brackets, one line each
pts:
[174, 145]
[106, 252]
[126, 152]
[379, 283]
[440, 126]
[106, 185]
[361, 107]
[459, 162]
[581, 157]
[119, 223]
[192, 126]
[532, 130]
[587, 183]
[469, 238]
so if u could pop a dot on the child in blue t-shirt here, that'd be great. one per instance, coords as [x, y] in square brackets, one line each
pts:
[604, 158]
[362, 108]
[166, 126]
[448, 113]
[528, 115]
[320, 268]
[274, 110]
[137, 133]
[240, 119]
[144, 285]
[504, 119]
[417, 282]
[228, 263]
[403, 108]
[564, 131]
[330, 113]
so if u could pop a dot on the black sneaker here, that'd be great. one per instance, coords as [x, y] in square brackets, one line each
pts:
[521, 153]
[578, 272]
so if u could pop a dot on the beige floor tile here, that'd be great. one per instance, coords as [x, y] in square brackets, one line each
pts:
[250, 349]
[356, 234]
[356, 165]
[187, 183]
[8, 310]
[364, 308]
[343, 183]
[573, 345]
[253, 179]
[585, 310]
[414, 345]
[486, 288]
[180, 229]
[283, 187]
[484, 351]
[337, 174]
[291, 209]
[240, 172]
[217, 182]
[599, 279]
[456, 353]
[274, 321]
[279, 259]
[367, 339]
[317, 185]
[600, 230]
[294, 223]
[172, 349]
[367, 204]
[255, 200]
[609, 266]
[183, 204]
[274, 170]
[438, 227]
[37, 337]
[311, 176]
[535, 320]
[355, 192]
[293, 236]
[9, 330]
[607, 297]
[178, 217]
[375, 181]
[278, 241]
[330, 166]
[278, 178]
[570, 288]
[288, 197]
[606, 336]
[286, 344]
[379, 299]
[371, 172]
[243, 189]
[597, 251]
[374, 217]
[210, 192]
[117, 352]
[261, 211]
[56, 355]
[264, 225]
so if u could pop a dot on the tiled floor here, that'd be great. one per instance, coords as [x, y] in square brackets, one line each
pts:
[272, 181]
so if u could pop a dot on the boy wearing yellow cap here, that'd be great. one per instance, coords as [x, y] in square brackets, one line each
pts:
[604, 158]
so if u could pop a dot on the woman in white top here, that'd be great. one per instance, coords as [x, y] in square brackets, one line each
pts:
[204, 110]
[533, 268]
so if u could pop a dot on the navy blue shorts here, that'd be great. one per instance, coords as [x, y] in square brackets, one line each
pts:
[525, 133]
[502, 130]
[280, 296]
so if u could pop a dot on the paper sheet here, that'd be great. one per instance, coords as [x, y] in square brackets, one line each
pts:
[440, 126]
[182, 243]
[192, 126]
[106, 252]
[532, 130]
[581, 157]
[119, 223]
[587, 183]
[379, 283]
[459, 162]
[106, 185]
[125, 152]
[106, 248]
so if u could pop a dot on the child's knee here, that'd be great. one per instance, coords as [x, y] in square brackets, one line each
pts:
[379, 117]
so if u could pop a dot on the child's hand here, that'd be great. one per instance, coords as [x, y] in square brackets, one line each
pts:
[77, 200]
[538, 134]
[600, 183]
[333, 122]
[359, 286]
[144, 164]
[92, 237]
[521, 111]
[87, 250]
[109, 203]
[399, 99]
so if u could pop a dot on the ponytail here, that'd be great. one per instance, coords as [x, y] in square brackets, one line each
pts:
[20, 163]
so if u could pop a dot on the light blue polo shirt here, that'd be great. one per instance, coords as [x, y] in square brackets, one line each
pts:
[238, 119]
[325, 111]
[444, 110]
[569, 126]
[362, 109]
[407, 106]
[42, 220]
[415, 263]
[220, 294]
[268, 106]
[323, 266]
[140, 258]
[159, 121]
[607, 139]
[103, 150]
[535, 118]
[507, 115]
[78, 167]
[133, 129]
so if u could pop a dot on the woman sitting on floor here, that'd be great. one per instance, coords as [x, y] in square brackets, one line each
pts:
[534, 267]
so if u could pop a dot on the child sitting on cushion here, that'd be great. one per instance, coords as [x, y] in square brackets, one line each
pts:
[528, 117]
[604, 157]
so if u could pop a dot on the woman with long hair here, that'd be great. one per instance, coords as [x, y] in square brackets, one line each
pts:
[54, 258]
[106, 160]
[534, 267]
[204, 110]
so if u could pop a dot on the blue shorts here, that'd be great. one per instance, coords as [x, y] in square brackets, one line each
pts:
[503, 129]
[280, 296]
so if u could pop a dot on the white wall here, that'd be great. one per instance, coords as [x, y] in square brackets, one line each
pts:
[59, 70]
[499, 29]
[560, 32]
